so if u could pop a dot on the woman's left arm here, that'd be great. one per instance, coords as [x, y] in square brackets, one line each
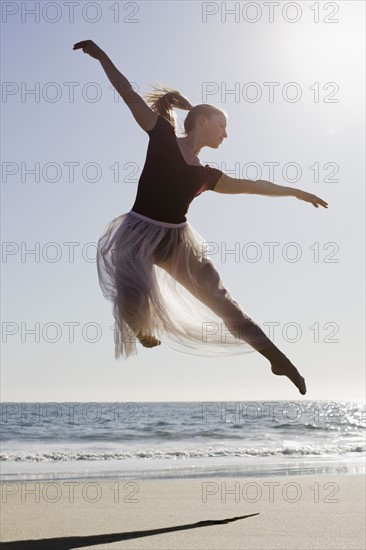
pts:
[227, 184]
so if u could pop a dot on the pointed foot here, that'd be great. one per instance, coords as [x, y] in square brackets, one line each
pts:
[284, 367]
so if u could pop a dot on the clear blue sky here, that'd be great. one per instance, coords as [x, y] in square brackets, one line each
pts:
[176, 43]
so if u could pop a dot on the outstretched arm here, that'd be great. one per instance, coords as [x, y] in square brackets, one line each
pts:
[227, 184]
[142, 113]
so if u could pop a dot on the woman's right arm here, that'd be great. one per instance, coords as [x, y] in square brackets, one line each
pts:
[142, 113]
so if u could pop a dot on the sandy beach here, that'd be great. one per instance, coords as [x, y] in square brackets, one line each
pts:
[292, 512]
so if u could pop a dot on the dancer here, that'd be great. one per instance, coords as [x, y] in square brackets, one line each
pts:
[152, 264]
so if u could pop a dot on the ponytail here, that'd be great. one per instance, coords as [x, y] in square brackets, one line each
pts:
[164, 98]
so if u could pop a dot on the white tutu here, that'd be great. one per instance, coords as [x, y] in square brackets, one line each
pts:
[161, 283]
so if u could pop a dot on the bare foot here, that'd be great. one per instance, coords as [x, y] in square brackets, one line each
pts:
[284, 367]
[148, 341]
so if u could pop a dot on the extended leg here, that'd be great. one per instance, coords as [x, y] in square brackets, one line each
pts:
[203, 281]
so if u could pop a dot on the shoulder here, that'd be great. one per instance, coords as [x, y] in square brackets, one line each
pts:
[211, 176]
[161, 123]
[212, 172]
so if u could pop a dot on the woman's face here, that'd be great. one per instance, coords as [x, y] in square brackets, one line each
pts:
[215, 130]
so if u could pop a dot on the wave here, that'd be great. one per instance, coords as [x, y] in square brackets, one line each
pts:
[295, 451]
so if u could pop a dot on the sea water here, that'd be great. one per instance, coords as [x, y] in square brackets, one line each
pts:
[49, 441]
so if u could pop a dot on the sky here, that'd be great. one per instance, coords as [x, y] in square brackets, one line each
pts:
[291, 78]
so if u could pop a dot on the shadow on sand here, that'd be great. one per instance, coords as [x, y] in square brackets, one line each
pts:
[68, 543]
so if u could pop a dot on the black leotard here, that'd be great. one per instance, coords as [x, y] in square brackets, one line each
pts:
[168, 184]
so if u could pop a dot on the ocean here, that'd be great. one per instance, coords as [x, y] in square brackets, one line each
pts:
[60, 441]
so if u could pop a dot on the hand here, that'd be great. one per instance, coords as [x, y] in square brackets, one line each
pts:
[308, 197]
[90, 47]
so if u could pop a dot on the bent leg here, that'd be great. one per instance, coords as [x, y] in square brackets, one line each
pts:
[132, 303]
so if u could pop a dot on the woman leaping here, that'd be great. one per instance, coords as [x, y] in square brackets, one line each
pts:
[152, 264]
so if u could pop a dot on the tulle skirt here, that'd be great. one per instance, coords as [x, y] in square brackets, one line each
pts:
[161, 283]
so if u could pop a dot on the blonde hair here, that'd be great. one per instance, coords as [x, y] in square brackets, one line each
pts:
[164, 98]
